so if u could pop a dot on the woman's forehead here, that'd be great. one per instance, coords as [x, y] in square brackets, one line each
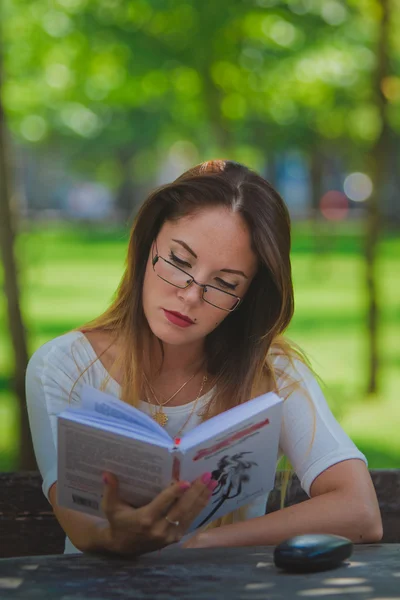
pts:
[215, 232]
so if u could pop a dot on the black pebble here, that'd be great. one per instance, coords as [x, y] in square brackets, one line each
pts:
[312, 552]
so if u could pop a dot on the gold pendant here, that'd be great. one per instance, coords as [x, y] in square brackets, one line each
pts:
[160, 417]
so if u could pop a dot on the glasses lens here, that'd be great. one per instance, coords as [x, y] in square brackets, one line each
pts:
[171, 274]
[220, 298]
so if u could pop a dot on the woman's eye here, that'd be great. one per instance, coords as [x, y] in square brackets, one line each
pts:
[179, 261]
[225, 284]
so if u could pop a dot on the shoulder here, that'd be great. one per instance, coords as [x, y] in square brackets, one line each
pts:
[63, 365]
[299, 386]
[59, 351]
[104, 345]
[60, 362]
[291, 371]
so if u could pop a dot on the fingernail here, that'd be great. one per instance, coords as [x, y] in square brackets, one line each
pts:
[105, 479]
[184, 485]
[212, 485]
[206, 478]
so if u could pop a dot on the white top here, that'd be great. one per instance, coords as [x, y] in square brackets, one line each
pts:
[310, 437]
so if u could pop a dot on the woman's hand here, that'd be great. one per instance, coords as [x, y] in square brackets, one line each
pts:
[198, 540]
[162, 522]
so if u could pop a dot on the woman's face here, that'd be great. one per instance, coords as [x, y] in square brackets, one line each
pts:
[207, 245]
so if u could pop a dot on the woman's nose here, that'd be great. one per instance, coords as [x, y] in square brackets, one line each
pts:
[193, 293]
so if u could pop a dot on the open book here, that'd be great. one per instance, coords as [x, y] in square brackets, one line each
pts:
[239, 447]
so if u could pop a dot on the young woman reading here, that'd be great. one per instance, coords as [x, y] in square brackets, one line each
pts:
[197, 328]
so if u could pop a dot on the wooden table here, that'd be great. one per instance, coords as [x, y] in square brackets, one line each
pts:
[373, 572]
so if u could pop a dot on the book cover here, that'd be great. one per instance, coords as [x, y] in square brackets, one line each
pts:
[239, 448]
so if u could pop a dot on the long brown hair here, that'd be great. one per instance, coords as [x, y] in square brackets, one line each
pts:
[239, 351]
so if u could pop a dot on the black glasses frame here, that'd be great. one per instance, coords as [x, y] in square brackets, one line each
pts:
[191, 280]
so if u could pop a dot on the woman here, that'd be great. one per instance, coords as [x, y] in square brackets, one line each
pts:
[196, 329]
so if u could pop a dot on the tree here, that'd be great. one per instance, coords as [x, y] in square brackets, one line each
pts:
[378, 160]
[116, 84]
[16, 326]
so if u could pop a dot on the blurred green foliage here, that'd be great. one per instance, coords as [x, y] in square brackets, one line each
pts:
[116, 86]
[70, 275]
[117, 83]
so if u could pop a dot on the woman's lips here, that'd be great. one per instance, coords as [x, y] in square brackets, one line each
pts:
[177, 318]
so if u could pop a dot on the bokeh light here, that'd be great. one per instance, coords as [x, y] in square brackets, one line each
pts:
[33, 128]
[333, 12]
[58, 75]
[390, 87]
[283, 33]
[334, 205]
[358, 187]
[57, 24]
[81, 120]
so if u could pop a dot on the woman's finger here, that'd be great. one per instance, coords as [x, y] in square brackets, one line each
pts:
[186, 509]
[158, 507]
[110, 493]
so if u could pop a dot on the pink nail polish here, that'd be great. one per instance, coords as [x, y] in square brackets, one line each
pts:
[184, 485]
[206, 478]
[212, 485]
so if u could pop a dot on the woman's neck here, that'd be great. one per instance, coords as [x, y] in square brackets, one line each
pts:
[178, 360]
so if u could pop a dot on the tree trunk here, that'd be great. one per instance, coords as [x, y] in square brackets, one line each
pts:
[377, 169]
[16, 327]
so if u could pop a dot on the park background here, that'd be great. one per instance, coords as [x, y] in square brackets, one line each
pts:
[102, 100]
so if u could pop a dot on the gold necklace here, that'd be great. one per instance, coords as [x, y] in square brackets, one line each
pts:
[159, 415]
[179, 433]
[162, 419]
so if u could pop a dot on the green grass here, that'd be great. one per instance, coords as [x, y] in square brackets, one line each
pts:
[68, 275]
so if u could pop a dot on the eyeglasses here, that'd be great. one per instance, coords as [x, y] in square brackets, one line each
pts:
[175, 276]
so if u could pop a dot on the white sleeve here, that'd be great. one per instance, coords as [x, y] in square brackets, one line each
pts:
[311, 438]
[50, 377]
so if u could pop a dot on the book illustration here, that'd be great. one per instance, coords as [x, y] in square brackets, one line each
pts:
[231, 439]
[232, 473]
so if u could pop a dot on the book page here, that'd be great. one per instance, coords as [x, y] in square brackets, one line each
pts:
[109, 408]
[84, 453]
[242, 460]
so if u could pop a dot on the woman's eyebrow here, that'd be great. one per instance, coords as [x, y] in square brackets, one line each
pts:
[234, 272]
[193, 253]
[186, 247]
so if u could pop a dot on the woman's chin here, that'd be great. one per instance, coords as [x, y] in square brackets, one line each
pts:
[170, 334]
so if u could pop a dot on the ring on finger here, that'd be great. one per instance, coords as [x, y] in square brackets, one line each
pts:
[171, 522]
